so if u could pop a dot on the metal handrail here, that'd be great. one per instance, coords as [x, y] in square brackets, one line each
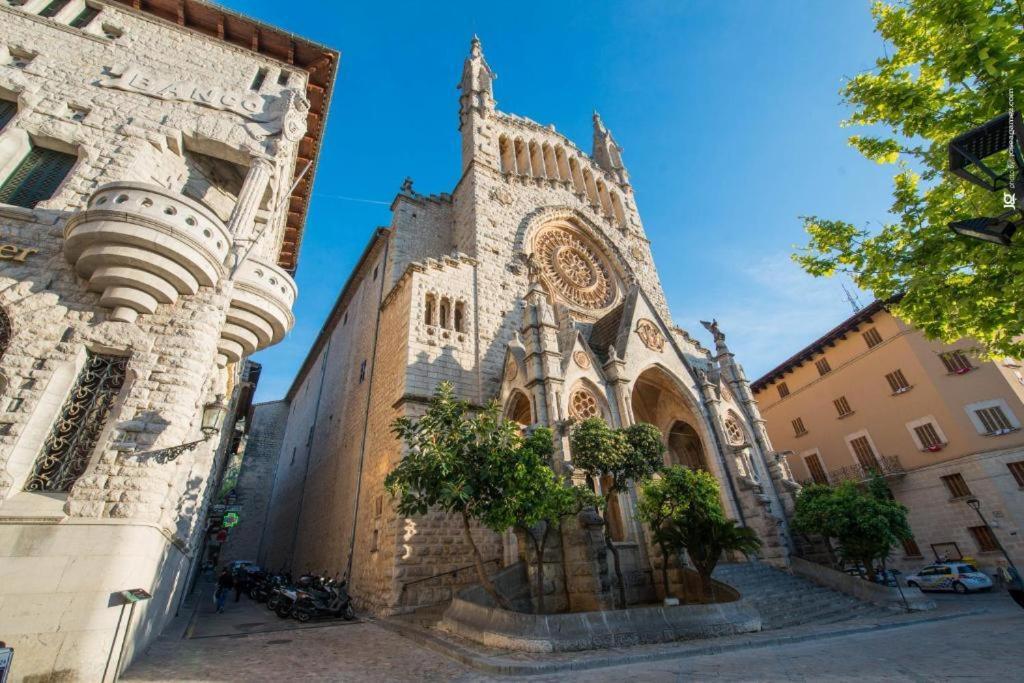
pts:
[496, 560]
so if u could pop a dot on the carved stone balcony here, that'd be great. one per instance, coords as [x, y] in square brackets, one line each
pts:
[140, 245]
[261, 310]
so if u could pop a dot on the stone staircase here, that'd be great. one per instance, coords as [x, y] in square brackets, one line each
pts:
[785, 600]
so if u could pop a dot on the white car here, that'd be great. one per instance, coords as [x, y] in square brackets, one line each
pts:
[950, 576]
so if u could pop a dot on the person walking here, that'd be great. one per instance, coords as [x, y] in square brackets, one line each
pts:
[224, 586]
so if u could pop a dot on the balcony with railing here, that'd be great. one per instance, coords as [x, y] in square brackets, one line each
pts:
[887, 466]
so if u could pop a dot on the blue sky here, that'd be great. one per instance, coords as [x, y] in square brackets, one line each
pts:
[728, 113]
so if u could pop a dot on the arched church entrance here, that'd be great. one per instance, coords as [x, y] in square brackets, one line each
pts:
[656, 399]
[518, 409]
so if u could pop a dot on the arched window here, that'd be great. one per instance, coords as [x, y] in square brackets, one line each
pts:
[445, 309]
[563, 164]
[588, 179]
[5, 331]
[602, 195]
[620, 213]
[550, 166]
[429, 303]
[536, 160]
[459, 316]
[577, 177]
[519, 409]
[522, 158]
[506, 155]
[734, 433]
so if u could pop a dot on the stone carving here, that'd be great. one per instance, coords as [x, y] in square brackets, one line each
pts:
[582, 359]
[712, 327]
[511, 369]
[574, 269]
[502, 195]
[583, 404]
[636, 252]
[251, 105]
[734, 433]
[650, 335]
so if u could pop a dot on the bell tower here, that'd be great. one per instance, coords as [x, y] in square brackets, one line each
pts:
[476, 106]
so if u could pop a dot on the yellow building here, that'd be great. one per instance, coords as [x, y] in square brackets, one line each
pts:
[941, 424]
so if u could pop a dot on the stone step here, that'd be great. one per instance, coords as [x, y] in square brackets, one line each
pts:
[786, 600]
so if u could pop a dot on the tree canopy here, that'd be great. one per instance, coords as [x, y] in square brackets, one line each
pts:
[949, 66]
[865, 521]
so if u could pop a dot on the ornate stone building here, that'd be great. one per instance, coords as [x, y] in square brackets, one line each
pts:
[156, 160]
[532, 283]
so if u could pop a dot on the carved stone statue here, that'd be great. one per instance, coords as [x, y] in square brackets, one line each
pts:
[712, 327]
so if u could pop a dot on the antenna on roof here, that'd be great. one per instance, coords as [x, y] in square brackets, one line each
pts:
[854, 303]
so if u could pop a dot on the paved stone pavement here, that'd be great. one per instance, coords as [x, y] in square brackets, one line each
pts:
[984, 646]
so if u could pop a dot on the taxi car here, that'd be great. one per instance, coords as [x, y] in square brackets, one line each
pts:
[959, 577]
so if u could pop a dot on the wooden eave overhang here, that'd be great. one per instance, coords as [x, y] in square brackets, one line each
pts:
[320, 62]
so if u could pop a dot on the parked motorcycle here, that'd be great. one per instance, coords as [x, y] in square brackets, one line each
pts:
[333, 602]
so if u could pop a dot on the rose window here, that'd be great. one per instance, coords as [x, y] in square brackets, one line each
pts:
[574, 269]
[583, 404]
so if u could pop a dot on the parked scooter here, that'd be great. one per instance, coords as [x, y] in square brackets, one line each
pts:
[334, 602]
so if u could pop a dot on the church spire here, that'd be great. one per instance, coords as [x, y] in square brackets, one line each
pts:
[476, 84]
[607, 152]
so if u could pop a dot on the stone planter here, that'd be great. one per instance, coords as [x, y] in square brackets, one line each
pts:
[472, 616]
[140, 245]
[260, 313]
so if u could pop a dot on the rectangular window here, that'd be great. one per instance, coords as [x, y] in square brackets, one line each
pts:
[798, 427]
[956, 485]
[783, 390]
[36, 178]
[842, 406]
[378, 506]
[897, 382]
[376, 539]
[928, 436]
[910, 548]
[85, 17]
[814, 466]
[956, 362]
[52, 9]
[68, 449]
[872, 338]
[865, 453]
[1017, 470]
[283, 77]
[362, 371]
[994, 420]
[7, 111]
[823, 367]
[985, 539]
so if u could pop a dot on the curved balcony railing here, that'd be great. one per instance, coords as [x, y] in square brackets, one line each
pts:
[260, 313]
[141, 245]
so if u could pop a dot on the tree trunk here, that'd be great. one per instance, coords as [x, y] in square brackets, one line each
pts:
[615, 552]
[664, 569]
[538, 548]
[706, 586]
[481, 574]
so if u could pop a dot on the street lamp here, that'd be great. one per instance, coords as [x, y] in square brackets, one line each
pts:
[967, 154]
[213, 416]
[1015, 588]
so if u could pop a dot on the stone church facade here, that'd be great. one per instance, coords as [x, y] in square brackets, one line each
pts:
[531, 283]
[156, 160]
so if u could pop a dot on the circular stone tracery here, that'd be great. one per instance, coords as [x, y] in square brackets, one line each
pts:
[583, 404]
[733, 432]
[574, 269]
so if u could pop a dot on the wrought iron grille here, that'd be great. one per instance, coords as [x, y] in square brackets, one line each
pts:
[5, 331]
[73, 438]
[886, 465]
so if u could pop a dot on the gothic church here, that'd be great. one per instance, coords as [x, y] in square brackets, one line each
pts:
[533, 283]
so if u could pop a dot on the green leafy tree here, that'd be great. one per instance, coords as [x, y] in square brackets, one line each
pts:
[949, 66]
[535, 499]
[614, 457]
[865, 521]
[707, 537]
[665, 501]
[456, 461]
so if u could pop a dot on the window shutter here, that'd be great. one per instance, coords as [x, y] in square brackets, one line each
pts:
[36, 178]
[7, 111]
